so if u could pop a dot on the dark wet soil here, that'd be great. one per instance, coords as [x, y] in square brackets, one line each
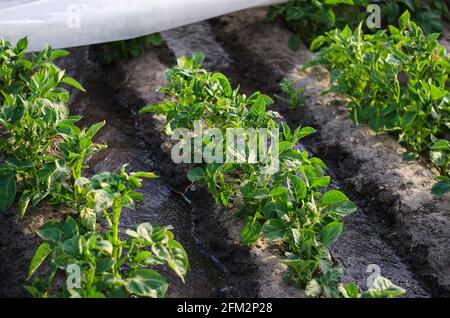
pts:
[225, 267]
[161, 205]
[365, 248]
[261, 57]
[218, 267]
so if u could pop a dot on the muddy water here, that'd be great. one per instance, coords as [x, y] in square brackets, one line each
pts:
[363, 250]
[161, 205]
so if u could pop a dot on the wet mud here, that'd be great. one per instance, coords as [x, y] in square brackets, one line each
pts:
[400, 226]
[399, 229]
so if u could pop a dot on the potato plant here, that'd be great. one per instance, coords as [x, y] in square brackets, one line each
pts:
[316, 17]
[293, 96]
[29, 165]
[129, 49]
[381, 288]
[427, 14]
[311, 18]
[33, 107]
[294, 205]
[440, 155]
[32, 75]
[397, 81]
[43, 157]
[108, 266]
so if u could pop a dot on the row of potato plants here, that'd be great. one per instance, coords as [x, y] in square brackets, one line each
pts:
[396, 81]
[293, 206]
[129, 49]
[44, 153]
[319, 16]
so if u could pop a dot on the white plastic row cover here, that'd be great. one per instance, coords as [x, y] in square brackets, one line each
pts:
[69, 23]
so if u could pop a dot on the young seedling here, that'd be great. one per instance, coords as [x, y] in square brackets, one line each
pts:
[129, 49]
[308, 19]
[381, 288]
[294, 96]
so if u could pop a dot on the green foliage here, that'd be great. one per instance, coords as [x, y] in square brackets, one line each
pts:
[43, 156]
[381, 288]
[442, 186]
[396, 81]
[129, 49]
[32, 76]
[108, 266]
[293, 205]
[310, 18]
[440, 156]
[293, 96]
[428, 14]
[33, 107]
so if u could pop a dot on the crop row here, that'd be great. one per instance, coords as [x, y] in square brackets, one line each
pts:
[396, 79]
[319, 16]
[397, 82]
[129, 49]
[44, 154]
[293, 205]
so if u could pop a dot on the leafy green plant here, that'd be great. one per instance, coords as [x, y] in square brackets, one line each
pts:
[397, 82]
[35, 118]
[43, 155]
[294, 96]
[311, 18]
[291, 206]
[76, 147]
[108, 266]
[129, 49]
[32, 75]
[29, 149]
[381, 288]
[37, 163]
[428, 14]
[440, 156]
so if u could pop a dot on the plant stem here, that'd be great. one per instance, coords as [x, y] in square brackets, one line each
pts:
[115, 231]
